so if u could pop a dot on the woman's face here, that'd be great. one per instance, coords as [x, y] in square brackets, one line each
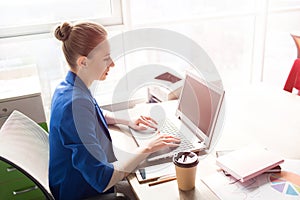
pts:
[99, 61]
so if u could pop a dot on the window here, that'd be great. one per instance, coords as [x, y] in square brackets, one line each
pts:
[224, 29]
[249, 41]
[157, 11]
[34, 16]
[31, 58]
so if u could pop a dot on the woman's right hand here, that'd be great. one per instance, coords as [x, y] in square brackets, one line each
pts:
[162, 141]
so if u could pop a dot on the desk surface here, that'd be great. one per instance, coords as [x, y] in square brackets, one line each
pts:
[254, 114]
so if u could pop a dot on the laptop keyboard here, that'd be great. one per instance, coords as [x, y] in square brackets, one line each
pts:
[168, 127]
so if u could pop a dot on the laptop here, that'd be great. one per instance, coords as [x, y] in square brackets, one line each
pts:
[194, 121]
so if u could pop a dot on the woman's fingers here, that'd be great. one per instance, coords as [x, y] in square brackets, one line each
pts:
[162, 141]
[170, 140]
[147, 121]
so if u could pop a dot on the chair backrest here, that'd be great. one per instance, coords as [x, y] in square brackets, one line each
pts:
[293, 80]
[25, 145]
[297, 43]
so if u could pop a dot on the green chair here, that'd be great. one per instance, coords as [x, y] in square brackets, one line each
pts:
[24, 145]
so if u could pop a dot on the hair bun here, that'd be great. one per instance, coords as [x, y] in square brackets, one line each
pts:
[63, 31]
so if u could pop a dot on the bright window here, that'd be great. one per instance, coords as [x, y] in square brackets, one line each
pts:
[31, 58]
[34, 16]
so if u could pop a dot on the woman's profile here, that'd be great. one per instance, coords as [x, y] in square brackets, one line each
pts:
[82, 161]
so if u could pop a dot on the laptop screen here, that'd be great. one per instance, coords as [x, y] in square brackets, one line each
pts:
[199, 105]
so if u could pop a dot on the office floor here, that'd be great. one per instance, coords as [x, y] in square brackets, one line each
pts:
[125, 188]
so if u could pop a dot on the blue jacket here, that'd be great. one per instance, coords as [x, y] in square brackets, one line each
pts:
[80, 144]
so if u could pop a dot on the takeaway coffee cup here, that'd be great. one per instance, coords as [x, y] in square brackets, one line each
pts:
[186, 167]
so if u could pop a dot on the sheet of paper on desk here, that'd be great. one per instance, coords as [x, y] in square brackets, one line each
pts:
[155, 172]
[275, 186]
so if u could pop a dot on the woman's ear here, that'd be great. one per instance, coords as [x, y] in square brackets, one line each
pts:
[81, 61]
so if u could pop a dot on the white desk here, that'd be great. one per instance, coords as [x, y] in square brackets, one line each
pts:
[255, 114]
[262, 115]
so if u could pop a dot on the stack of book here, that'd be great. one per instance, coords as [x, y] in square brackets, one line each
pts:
[249, 162]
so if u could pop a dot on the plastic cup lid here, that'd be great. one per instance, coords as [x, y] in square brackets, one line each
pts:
[185, 159]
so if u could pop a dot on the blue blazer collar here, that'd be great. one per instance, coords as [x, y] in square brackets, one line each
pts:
[75, 81]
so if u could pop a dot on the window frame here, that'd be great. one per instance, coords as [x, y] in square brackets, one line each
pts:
[16, 31]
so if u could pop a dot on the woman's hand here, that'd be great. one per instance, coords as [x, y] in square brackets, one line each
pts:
[162, 141]
[142, 123]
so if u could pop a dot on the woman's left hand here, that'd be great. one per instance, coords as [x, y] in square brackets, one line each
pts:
[142, 123]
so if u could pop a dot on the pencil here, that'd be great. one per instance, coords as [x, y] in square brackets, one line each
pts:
[162, 181]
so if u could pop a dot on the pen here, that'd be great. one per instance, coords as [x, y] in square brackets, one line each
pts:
[159, 181]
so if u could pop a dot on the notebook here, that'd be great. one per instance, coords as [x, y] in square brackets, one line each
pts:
[248, 162]
[195, 119]
[155, 172]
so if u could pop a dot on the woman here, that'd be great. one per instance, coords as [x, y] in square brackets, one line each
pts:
[82, 161]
